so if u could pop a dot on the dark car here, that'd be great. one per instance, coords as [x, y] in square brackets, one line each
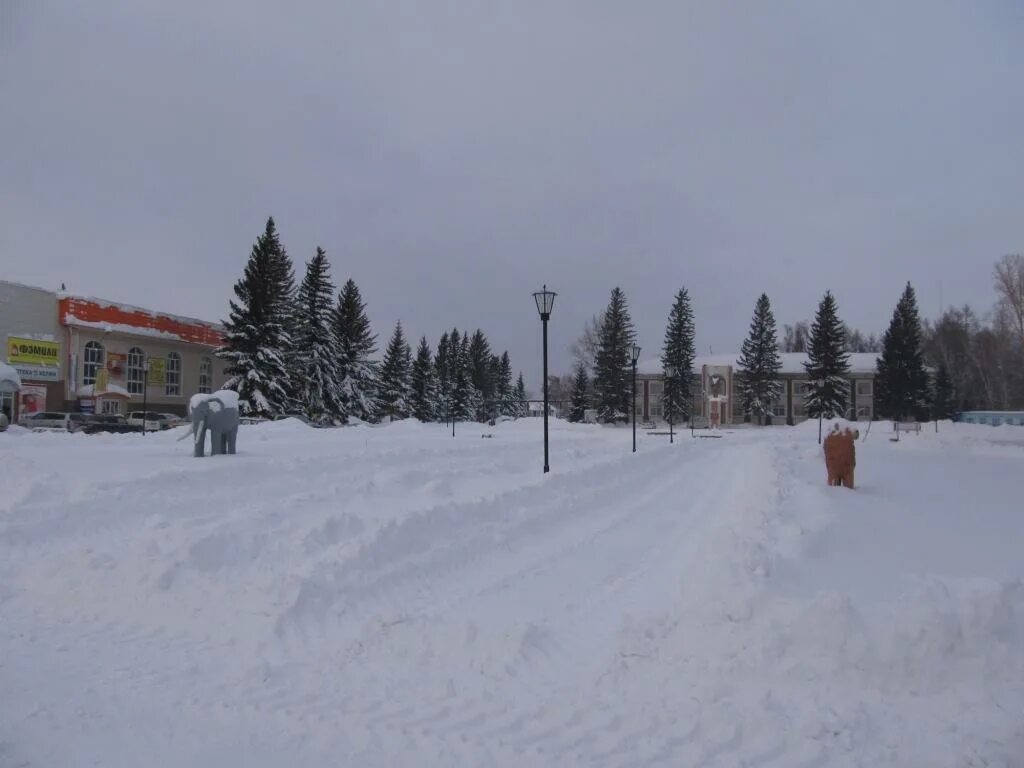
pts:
[110, 424]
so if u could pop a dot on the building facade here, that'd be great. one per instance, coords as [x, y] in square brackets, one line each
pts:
[75, 353]
[716, 388]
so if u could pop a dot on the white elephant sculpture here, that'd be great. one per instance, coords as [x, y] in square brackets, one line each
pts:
[218, 413]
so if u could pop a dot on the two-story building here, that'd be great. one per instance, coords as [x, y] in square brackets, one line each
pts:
[75, 353]
[716, 389]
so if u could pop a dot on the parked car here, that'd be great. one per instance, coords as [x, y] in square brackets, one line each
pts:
[46, 420]
[108, 423]
[76, 421]
[172, 420]
[154, 421]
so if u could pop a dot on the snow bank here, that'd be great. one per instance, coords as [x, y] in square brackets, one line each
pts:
[397, 596]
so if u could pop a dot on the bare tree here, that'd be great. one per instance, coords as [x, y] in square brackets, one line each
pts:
[584, 349]
[794, 337]
[1009, 279]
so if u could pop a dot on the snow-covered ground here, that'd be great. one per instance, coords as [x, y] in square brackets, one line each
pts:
[396, 597]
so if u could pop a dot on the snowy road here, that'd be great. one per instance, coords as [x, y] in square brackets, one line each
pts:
[396, 597]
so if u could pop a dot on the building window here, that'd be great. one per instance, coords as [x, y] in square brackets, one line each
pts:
[656, 411]
[655, 388]
[92, 361]
[136, 374]
[865, 388]
[206, 376]
[172, 387]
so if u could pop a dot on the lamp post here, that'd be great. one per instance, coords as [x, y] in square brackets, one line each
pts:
[818, 384]
[545, 301]
[145, 391]
[634, 356]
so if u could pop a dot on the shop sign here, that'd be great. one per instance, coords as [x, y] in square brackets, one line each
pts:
[32, 399]
[32, 351]
[87, 405]
[38, 372]
[102, 380]
[157, 371]
[116, 364]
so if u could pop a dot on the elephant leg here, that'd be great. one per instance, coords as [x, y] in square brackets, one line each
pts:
[200, 442]
[232, 436]
[216, 445]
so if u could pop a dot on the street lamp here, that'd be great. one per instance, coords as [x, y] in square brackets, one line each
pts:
[818, 384]
[545, 300]
[634, 356]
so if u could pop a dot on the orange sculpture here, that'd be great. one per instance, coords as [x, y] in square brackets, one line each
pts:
[841, 455]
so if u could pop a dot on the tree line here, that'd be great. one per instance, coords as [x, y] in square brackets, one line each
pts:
[922, 370]
[307, 350]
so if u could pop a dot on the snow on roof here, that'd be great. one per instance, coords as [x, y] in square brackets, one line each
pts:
[9, 377]
[134, 330]
[84, 312]
[132, 309]
[792, 362]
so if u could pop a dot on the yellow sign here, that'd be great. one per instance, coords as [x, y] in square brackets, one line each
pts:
[157, 371]
[102, 380]
[32, 351]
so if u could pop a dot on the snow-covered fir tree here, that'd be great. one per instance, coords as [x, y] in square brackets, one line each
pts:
[901, 382]
[424, 384]
[522, 407]
[480, 374]
[356, 346]
[943, 403]
[760, 363]
[394, 393]
[580, 401]
[473, 399]
[612, 383]
[827, 363]
[442, 370]
[256, 338]
[506, 392]
[677, 357]
[315, 352]
[461, 399]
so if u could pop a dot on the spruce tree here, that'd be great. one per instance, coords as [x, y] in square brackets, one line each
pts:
[943, 403]
[256, 338]
[356, 346]
[522, 407]
[677, 358]
[506, 392]
[580, 400]
[394, 393]
[442, 369]
[424, 384]
[827, 362]
[901, 382]
[612, 383]
[315, 352]
[480, 374]
[759, 363]
[461, 399]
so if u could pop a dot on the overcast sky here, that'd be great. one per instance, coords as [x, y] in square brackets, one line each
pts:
[453, 156]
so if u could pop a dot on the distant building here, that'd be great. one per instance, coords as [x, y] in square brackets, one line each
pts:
[75, 353]
[992, 418]
[716, 389]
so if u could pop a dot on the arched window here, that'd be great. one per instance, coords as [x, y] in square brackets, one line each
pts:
[206, 375]
[136, 374]
[173, 385]
[92, 361]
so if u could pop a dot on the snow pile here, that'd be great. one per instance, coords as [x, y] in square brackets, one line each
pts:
[396, 596]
